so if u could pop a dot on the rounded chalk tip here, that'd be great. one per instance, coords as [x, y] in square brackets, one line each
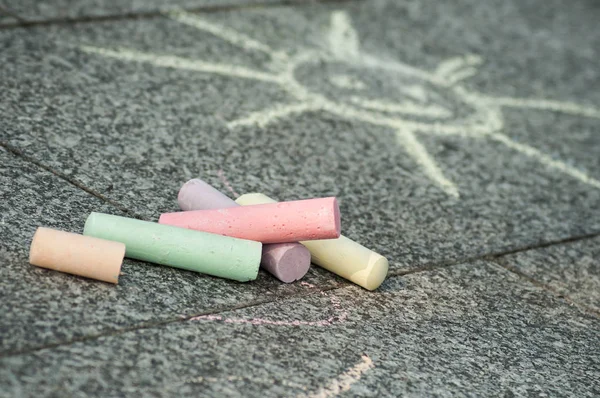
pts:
[186, 193]
[33, 252]
[378, 270]
[89, 223]
[253, 198]
[297, 263]
[288, 262]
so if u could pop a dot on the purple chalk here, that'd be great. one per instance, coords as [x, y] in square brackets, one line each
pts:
[288, 262]
[198, 195]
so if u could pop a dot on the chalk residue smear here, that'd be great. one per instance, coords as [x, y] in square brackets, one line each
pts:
[226, 183]
[344, 381]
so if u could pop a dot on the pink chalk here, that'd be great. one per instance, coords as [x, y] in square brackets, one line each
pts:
[267, 223]
[288, 262]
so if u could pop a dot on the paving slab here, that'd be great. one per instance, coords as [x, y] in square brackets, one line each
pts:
[7, 19]
[442, 141]
[6, 16]
[36, 11]
[571, 270]
[467, 330]
[41, 307]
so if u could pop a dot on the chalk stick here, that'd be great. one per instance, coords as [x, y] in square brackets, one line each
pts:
[341, 256]
[288, 262]
[267, 223]
[199, 195]
[77, 254]
[211, 254]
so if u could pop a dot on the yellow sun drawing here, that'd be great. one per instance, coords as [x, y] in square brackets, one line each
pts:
[416, 101]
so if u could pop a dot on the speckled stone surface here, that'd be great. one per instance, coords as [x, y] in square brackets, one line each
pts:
[41, 307]
[473, 329]
[135, 131]
[6, 16]
[571, 270]
[32, 10]
[125, 110]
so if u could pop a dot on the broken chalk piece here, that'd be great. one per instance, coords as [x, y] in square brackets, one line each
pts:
[267, 223]
[211, 254]
[341, 256]
[288, 262]
[77, 254]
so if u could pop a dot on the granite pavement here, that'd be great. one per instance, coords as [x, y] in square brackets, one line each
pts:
[131, 109]
[571, 270]
[469, 330]
[31, 11]
[461, 139]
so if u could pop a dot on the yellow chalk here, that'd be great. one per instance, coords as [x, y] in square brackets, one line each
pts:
[342, 256]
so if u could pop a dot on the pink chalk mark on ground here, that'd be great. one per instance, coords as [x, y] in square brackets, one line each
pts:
[225, 182]
[341, 316]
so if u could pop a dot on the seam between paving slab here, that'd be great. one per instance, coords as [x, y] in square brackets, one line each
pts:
[555, 292]
[256, 303]
[490, 257]
[178, 319]
[159, 13]
[19, 153]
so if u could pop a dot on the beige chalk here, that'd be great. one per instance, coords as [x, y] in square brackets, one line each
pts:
[341, 256]
[77, 254]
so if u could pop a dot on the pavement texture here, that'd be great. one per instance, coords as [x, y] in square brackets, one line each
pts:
[32, 11]
[461, 139]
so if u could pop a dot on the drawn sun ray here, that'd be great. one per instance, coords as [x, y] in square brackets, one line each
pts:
[545, 159]
[343, 39]
[456, 69]
[407, 107]
[263, 118]
[545, 105]
[414, 101]
[428, 164]
[170, 61]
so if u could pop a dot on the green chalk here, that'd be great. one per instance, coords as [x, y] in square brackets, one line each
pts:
[217, 255]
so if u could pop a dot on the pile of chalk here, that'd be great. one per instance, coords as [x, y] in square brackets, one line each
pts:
[218, 236]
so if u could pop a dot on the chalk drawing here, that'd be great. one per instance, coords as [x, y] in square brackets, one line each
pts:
[340, 317]
[225, 182]
[344, 381]
[263, 118]
[343, 39]
[340, 384]
[174, 62]
[425, 103]
[348, 82]
[403, 107]
[456, 69]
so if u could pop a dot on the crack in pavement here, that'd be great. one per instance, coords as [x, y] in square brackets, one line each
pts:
[490, 257]
[72, 181]
[135, 15]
